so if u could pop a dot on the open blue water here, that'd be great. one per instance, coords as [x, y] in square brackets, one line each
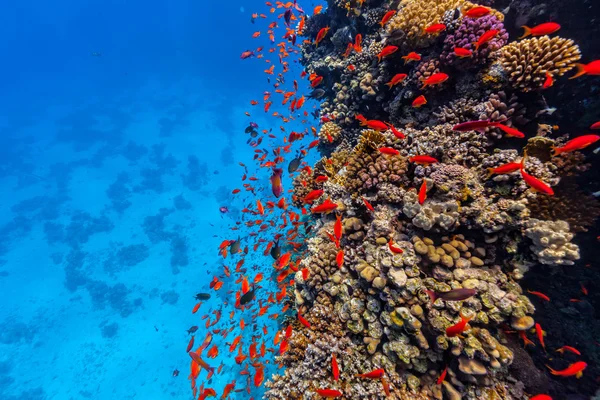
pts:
[121, 128]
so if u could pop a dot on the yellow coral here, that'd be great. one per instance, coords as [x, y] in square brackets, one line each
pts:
[527, 62]
[329, 132]
[414, 16]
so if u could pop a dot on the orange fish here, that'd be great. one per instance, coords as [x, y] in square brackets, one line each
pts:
[592, 68]
[419, 101]
[348, 50]
[540, 30]
[325, 207]
[303, 321]
[196, 307]
[575, 369]
[568, 348]
[317, 10]
[337, 227]
[539, 294]
[512, 132]
[256, 34]
[321, 35]
[367, 204]
[540, 335]
[386, 51]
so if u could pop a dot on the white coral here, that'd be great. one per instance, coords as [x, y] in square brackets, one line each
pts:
[552, 242]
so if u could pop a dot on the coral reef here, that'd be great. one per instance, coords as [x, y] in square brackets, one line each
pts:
[428, 209]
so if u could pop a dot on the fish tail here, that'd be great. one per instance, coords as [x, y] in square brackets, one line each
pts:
[431, 295]
[490, 172]
[552, 371]
[580, 71]
[390, 85]
[556, 151]
[527, 31]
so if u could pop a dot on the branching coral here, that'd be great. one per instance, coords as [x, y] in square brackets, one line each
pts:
[527, 61]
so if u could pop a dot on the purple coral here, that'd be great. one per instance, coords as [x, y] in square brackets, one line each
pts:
[469, 31]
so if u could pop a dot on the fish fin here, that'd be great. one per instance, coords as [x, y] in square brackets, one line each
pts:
[431, 295]
[580, 71]
[490, 172]
[579, 374]
[527, 31]
[552, 371]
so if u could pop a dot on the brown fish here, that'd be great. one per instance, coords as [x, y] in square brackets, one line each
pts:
[452, 295]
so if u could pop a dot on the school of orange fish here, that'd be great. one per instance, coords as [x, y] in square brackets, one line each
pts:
[285, 249]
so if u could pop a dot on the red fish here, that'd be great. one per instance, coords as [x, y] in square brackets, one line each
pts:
[325, 207]
[425, 160]
[397, 79]
[389, 151]
[548, 82]
[580, 142]
[540, 397]
[486, 37]
[321, 35]
[435, 28]
[303, 321]
[540, 30]
[375, 374]
[478, 126]
[442, 376]
[512, 132]
[247, 54]
[317, 10]
[316, 82]
[358, 43]
[386, 51]
[312, 196]
[339, 259]
[575, 369]
[476, 12]
[540, 335]
[535, 183]
[459, 327]
[396, 132]
[375, 124]
[423, 192]
[335, 369]
[461, 52]
[592, 68]
[388, 15]
[435, 79]
[367, 204]
[540, 295]
[393, 248]
[505, 168]
[419, 101]
[570, 349]
[329, 393]
[337, 227]
[412, 56]
[190, 344]
[595, 125]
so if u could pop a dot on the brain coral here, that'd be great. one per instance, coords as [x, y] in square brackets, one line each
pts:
[526, 62]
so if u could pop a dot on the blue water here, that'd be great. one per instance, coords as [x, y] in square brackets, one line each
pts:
[121, 128]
